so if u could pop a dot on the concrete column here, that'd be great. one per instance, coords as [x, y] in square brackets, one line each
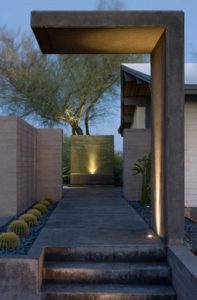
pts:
[168, 134]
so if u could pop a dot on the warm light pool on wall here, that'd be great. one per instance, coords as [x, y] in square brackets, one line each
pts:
[92, 166]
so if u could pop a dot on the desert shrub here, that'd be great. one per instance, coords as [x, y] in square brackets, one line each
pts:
[19, 227]
[9, 240]
[143, 167]
[30, 219]
[35, 212]
[41, 207]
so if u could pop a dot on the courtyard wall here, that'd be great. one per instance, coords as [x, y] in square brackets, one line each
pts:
[31, 165]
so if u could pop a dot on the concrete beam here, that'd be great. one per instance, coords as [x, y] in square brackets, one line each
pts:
[98, 32]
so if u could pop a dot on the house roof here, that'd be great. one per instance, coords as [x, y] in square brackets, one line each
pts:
[136, 84]
[142, 71]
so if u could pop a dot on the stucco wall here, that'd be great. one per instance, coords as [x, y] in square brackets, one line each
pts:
[30, 165]
[190, 154]
[136, 144]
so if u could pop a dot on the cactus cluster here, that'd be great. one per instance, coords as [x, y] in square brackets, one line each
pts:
[35, 212]
[41, 207]
[50, 200]
[19, 227]
[9, 240]
[30, 219]
[46, 203]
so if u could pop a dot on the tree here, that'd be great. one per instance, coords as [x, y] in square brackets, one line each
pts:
[66, 89]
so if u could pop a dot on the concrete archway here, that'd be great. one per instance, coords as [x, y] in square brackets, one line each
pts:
[162, 35]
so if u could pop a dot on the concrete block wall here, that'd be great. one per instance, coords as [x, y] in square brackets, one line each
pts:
[49, 163]
[136, 143]
[25, 165]
[30, 165]
[8, 140]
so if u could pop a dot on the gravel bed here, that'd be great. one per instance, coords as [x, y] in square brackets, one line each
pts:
[190, 238]
[27, 241]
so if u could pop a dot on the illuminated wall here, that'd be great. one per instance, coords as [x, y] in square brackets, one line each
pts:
[92, 160]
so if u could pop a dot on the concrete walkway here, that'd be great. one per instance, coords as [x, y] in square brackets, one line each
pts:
[94, 216]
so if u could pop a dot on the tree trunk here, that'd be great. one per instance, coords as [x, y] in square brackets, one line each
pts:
[76, 130]
[87, 125]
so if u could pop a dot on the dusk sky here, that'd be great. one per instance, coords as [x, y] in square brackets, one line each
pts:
[15, 14]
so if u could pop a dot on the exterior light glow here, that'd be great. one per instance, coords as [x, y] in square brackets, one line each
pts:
[158, 194]
[92, 163]
[150, 236]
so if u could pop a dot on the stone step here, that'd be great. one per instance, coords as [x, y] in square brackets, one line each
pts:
[97, 272]
[134, 253]
[106, 292]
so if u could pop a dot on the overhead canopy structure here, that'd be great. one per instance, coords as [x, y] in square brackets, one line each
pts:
[162, 35]
[94, 32]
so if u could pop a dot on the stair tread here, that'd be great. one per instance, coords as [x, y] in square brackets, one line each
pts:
[108, 288]
[106, 253]
[61, 265]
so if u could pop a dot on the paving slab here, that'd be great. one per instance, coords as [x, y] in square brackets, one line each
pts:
[94, 216]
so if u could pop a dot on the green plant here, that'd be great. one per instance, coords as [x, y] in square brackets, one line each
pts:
[66, 174]
[50, 200]
[41, 207]
[143, 167]
[19, 227]
[30, 219]
[46, 203]
[118, 168]
[9, 240]
[35, 212]
[66, 158]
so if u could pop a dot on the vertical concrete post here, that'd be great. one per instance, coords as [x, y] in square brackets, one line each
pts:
[168, 133]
